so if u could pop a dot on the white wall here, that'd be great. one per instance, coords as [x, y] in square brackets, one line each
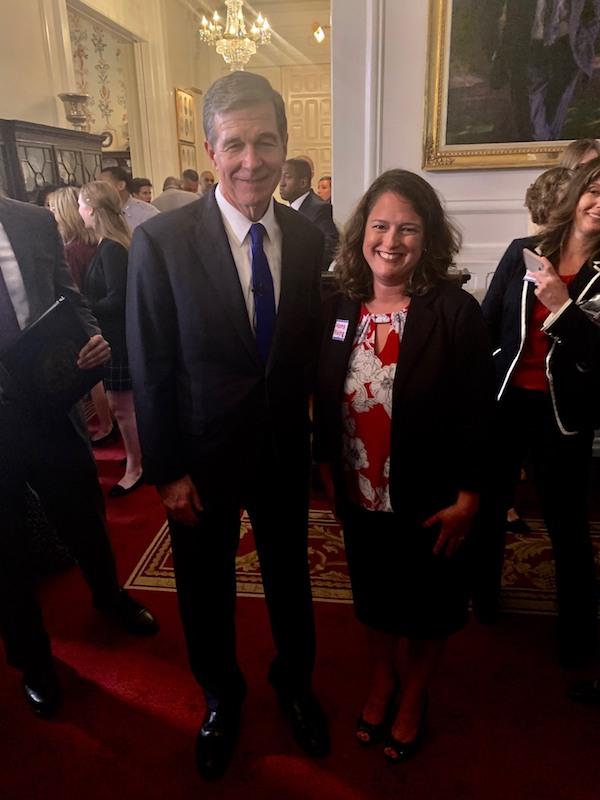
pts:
[375, 130]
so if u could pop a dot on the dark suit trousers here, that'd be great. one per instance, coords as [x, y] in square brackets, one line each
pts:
[527, 431]
[57, 463]
[204, 559]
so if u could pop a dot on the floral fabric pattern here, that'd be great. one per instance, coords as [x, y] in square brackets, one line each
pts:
[367, 410]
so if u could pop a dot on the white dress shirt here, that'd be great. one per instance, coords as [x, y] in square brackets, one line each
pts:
[237, 228]
[13, 279]
[299, 200]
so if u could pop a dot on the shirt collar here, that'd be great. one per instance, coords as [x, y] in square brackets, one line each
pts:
[239, 224]
[299, 200]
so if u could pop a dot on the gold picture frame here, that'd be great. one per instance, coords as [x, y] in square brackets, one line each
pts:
[438, 153]
[185, 112]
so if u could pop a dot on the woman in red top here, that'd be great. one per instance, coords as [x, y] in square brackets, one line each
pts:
[405, 391]
[547, 352]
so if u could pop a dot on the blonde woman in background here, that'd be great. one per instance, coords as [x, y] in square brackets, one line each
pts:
[579, 152]
[105, 288]
[80, 245]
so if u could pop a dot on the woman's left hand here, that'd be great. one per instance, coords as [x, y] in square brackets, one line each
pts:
[94, 353]
[549, 289]
[456, 522]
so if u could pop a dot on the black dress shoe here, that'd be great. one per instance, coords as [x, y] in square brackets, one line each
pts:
[120, 491]
[103, 441]
[587, 692]
[308, 721]
[216, 740]
[42, 690]
[130, 615]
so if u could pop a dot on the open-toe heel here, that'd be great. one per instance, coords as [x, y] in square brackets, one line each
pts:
[397, 751]
[370, 733]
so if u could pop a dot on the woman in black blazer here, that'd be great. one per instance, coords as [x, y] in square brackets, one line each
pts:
[405, 392]
[547, 354]
[105, 287]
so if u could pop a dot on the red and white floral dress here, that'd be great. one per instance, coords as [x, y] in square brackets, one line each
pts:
[367, 410]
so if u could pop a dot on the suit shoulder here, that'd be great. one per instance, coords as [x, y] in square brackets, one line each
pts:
[454, 297]
[26, 211]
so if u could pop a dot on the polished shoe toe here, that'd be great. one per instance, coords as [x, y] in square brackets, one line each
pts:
[42, 691]
[308, 723]
[216, 741]
[132, 616]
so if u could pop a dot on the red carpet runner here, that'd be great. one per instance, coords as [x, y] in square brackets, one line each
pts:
[499, 724]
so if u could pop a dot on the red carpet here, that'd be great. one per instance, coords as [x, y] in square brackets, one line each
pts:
[499, 724]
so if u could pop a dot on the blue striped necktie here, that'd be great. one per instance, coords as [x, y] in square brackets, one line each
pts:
[264, 294]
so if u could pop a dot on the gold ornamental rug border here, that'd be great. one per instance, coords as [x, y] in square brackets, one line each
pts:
[330, 582]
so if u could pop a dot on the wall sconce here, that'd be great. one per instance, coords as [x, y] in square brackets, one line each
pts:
[319, 34]
[75, 110]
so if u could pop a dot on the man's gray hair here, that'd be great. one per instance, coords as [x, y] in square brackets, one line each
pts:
[171, 183]
[241, 90]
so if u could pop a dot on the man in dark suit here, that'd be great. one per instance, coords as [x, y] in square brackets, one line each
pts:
[294, 187]
[545, 47]
[50, 453]
[223, 310]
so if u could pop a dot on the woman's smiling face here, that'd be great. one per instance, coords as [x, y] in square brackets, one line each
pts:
[393, 240]
[587, 213]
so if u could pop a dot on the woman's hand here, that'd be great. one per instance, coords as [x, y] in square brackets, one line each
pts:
[94, 353]
[549, 289]
[456, 522]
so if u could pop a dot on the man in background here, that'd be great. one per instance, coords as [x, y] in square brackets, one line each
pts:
[134, 211]
[207, 181]
[173, 196]
[294, 187]
[190, 181]
[49, 452]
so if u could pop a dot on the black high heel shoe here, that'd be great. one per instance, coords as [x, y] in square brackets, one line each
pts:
[111, 436]
[397, 751]
[370, 733]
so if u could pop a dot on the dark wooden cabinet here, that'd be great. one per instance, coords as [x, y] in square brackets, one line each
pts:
[33, 156]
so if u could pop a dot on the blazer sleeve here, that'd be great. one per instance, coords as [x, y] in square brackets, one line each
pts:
[574, 331]
[474, 396]
[152, 344]
[492, 305]
[113, 264]
[325, 222]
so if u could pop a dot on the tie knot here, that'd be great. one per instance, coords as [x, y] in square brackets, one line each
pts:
[257, 232]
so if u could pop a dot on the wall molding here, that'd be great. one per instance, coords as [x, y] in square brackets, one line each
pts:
[374, 40]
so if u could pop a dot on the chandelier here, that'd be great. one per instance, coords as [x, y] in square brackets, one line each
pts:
[233, 41]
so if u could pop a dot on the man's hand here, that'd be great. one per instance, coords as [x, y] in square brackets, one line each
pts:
[94, 353]
[181, 500]
[549, 289]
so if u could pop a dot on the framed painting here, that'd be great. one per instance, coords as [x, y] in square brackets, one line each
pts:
[185, 110]
[510, 82]
[187, 156]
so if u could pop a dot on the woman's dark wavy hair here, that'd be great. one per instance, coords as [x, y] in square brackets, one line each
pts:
[441, 240]
[559, 225]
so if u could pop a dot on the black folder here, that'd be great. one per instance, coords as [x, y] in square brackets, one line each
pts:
[42, 361]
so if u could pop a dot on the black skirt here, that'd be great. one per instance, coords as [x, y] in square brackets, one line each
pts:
[399, 586]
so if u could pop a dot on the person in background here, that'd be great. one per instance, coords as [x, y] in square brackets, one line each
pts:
[52, 456]
[105, 288]
[403, 405]
[547, 354]
[141, 189]
[579, 152]
[42, 194]
[324, 188]
[135, 211]
[222, 326]
[294, 187]
[545, 194]
[207, 181]
[173, 196]
[190, 180]
[80, 246]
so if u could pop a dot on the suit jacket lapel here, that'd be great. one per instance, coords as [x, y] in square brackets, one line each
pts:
[19, 240]
[215, 255]
[419, 324]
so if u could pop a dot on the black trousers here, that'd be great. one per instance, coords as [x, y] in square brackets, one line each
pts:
[56, 461]
[276, 498]
[527, 430]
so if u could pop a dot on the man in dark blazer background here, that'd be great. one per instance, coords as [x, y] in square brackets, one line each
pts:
[294, 187]
[52, 454]
[223, 315]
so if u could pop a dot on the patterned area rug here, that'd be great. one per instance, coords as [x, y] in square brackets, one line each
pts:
[528, 582]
